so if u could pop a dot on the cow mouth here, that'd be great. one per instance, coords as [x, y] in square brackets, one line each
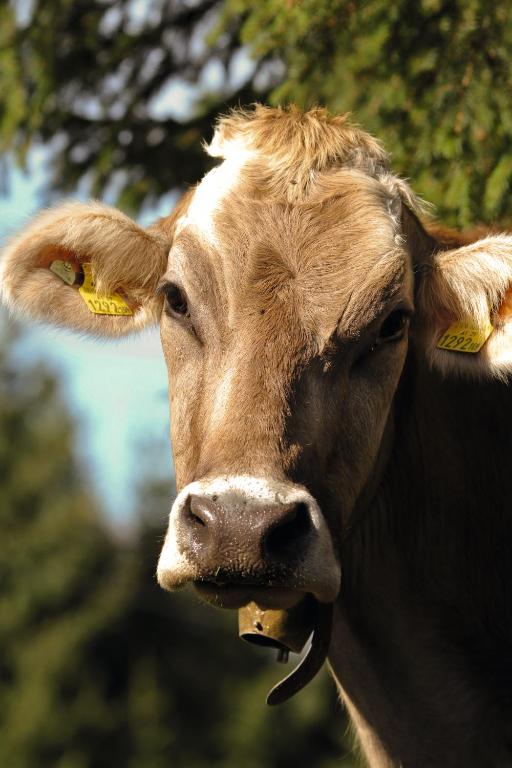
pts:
[236, 596]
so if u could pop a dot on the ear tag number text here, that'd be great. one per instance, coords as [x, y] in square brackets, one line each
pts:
[101, 305]
[461, 337]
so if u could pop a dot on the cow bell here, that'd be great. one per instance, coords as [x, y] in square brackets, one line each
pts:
[285, 630]
[288, 630]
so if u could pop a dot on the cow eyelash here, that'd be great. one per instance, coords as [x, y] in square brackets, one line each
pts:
[176, 303]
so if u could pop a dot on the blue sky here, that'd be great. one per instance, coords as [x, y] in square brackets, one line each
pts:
[116, 390]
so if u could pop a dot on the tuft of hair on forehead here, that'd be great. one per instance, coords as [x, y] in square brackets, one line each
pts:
[284, 151]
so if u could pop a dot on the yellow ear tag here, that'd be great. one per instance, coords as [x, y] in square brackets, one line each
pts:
[64, 269]
[461, 337]
[101, 305]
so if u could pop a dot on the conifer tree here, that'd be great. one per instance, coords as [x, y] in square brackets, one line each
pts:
[86, 77]
[59, 583]
[431, 79]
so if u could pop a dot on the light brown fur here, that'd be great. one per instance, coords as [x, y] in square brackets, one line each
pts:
[125, 258]
[289, 150]
[470, 283]
[279, 371]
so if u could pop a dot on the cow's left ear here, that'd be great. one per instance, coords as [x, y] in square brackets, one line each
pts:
[464, 304]
[87, 267]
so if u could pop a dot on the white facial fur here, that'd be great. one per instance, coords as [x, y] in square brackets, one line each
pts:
[214, 187]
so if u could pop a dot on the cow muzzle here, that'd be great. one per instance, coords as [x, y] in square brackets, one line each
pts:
[242, 539]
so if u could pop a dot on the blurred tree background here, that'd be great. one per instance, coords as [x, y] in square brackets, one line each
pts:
[94, 80]
[98, 667]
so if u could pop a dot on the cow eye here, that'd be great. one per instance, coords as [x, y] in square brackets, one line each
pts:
[394, 326]
[176, 303]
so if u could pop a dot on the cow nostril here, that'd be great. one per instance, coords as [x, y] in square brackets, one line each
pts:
[200, 524]
[198, 512]
[288, 533]
[196, 520]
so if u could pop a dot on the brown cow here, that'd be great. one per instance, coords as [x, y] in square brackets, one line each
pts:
[324, 444]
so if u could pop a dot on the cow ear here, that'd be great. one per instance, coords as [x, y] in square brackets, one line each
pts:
[43, 270]
[465, 308]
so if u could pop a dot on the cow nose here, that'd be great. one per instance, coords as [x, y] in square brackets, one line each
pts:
[239, 531]
[218, 532]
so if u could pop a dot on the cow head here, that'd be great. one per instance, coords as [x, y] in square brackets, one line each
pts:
[291, 284]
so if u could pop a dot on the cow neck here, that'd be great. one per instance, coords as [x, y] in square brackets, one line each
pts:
[424, 606]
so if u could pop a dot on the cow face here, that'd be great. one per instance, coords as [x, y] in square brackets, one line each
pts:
[285, 331]
[285, 284]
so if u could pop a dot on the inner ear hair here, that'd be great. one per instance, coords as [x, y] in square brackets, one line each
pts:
[471, 282]
[124, 257]
[471, 285]
[123, 254]
[50, 253]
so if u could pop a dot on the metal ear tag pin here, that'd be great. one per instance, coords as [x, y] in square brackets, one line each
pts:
[69, 273]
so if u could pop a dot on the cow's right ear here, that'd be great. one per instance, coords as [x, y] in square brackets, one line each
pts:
[43, 269]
